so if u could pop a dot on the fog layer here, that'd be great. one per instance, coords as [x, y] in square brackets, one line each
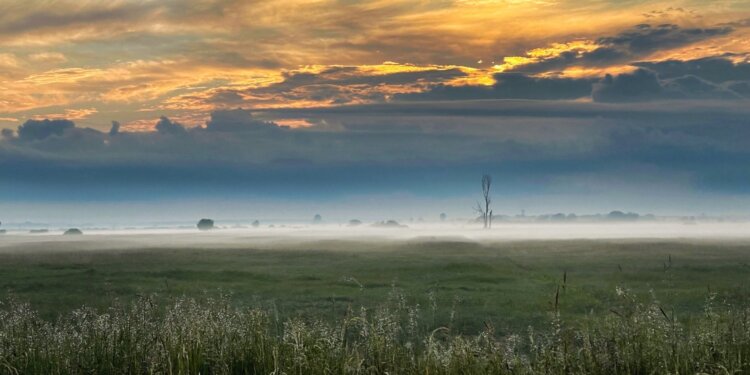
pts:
[320, 234]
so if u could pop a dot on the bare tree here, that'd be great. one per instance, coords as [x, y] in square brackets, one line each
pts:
[483, 208]
[480, 211]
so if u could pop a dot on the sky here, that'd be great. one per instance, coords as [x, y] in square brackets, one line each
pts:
[386, 108]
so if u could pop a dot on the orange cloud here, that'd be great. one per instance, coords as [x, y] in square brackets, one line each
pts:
[327, 85]
[294, 123]
[193, 56]
[8, 60]
[48, 57]
[69, 114]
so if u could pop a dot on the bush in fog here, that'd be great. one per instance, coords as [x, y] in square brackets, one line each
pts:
[389, 224]
[205, 224]
[73, 232]
[558, 217]
[354, 222]
[622, 216]
[255, 224]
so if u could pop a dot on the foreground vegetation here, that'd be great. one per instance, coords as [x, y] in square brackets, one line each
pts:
[188, 336]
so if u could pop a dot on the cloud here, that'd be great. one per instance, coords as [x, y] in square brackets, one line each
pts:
[712, 78]
[115, 129]
[8, 60]
[643, 85]
[48, 57]
[347, 84]
[741, 88]
[625, 47]
[166, 126]
[385, 133]
[34, 130]
[70, 114]
[436, 111]
[645, 38]
[326, 85]
[533, 146]
[237, 120]
[509, 86]
[22, 18]
[696, 88]
[237, 136]
[717, 69]
[200, 55]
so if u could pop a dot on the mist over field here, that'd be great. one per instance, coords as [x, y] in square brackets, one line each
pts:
[239, 235]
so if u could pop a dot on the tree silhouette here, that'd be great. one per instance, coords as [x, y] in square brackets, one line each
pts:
[483, 207]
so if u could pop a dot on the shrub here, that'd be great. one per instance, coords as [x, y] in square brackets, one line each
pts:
[205, 224]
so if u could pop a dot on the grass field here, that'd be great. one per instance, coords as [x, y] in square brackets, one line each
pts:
[510, 284]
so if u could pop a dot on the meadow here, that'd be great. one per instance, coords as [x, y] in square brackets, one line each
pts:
[512, 284]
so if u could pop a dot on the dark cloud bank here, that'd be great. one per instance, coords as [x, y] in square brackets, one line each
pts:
[715, 78]
[630, 45]
[426, 148]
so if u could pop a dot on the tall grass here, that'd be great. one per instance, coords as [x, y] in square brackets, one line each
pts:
[189, 336]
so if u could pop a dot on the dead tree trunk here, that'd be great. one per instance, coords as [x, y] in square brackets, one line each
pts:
[483, 208]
